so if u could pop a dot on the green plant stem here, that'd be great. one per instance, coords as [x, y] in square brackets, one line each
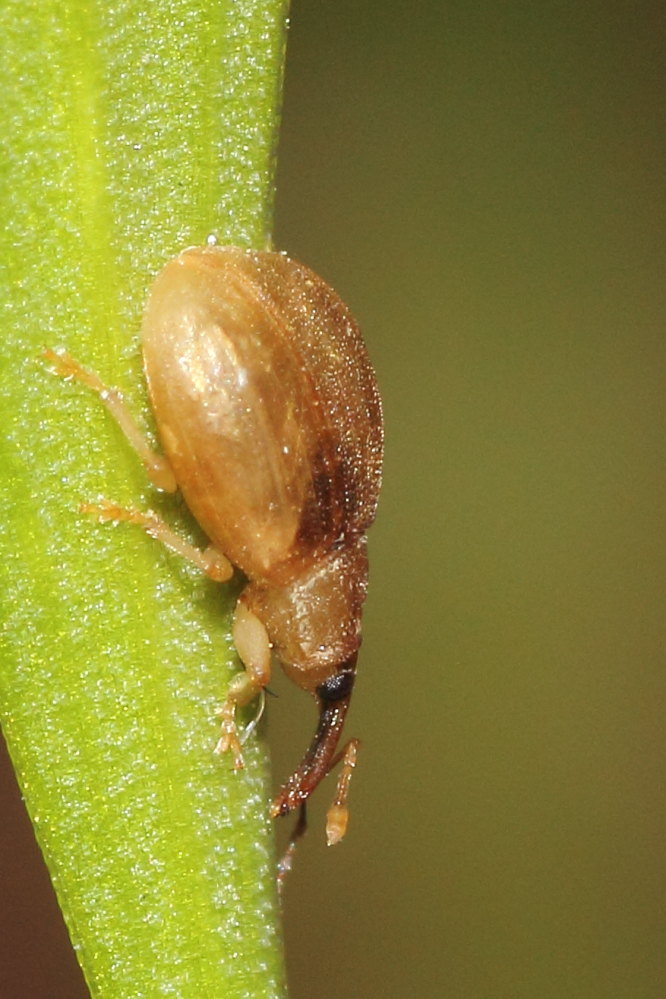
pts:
[131, 130]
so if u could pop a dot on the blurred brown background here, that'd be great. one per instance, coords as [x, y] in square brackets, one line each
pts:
[484, 184]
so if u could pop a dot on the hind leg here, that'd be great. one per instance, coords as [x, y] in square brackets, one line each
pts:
[156, 465]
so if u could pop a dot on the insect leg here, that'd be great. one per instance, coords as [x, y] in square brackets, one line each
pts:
[156, 465]
[254, 648]
[210, 560]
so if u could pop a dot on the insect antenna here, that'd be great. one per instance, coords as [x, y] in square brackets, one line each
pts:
[286, 863]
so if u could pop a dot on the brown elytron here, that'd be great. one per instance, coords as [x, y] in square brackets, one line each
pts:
[268, 411]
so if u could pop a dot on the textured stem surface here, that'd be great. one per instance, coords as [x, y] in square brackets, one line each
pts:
[130, 131]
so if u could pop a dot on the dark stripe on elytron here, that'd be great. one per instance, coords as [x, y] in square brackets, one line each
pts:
[330, 508]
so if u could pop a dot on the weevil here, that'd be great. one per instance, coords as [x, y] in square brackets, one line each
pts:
[270, 419]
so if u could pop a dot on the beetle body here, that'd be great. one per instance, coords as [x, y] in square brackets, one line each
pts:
[268, 411]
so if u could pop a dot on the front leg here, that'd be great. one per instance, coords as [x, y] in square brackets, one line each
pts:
[254, 649]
